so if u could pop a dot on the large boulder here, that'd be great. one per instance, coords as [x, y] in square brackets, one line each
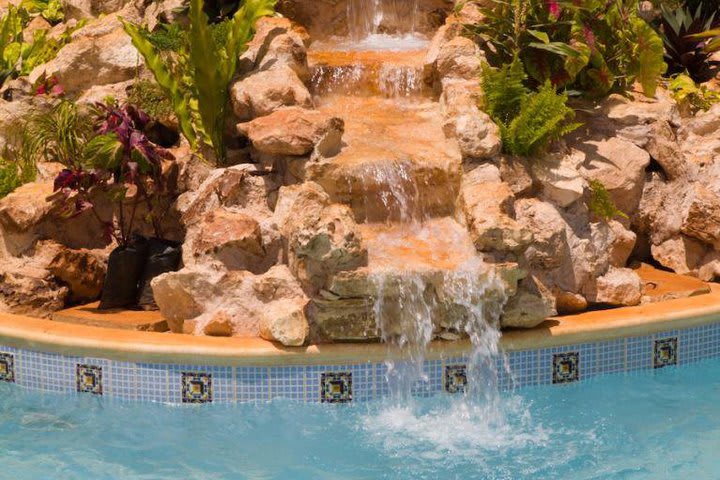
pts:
[559, 178]
[83, 271]
[619, 287]
[262, 93]
[293, 131]
[477, 135]
[93, 60]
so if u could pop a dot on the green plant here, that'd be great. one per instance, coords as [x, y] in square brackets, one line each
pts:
[594, 47]
[601, 204]
[18, 160]
[196, 81]
[528, 120]
[689, 42]
[691, 96]
[150, 98]
[50, 10]
[60, 135]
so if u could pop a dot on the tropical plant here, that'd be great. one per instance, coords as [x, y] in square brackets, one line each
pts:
[120, 163]
[61, 134]
[690, 96]
[528, 120]
[601, 204]
[594, 47]
[196, 80]
[18, 163]
[50, 10]
[149, 97]
[689, 42]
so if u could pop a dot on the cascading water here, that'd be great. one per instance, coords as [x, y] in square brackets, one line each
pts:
[367, 18]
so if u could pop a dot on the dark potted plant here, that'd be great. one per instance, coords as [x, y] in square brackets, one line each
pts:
[122, 165]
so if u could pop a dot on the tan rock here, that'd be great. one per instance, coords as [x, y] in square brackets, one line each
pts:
[235, 239]
[568, 303]
[292, 131]
[516, 172]
[703, 216]
[26, 207]
[220, 325]
[79, 9]
[620, 286]
[459, 58]
[622, 244]
[264, 92]
[182, 295]
[284, 321]
[682, 254]
[30, 295]
[82, 270]
[91, 61]
[559, 178]
[526, 310]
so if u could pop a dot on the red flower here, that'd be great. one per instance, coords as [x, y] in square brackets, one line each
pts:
[554, 9]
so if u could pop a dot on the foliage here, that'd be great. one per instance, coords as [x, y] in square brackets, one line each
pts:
[196, 77]
[61, 133]
[149, 97]
[120, 163]
[50, 10]
[689, 42]
[595, 47]
[601, 204]
[528, 120]
[18, 162]
[691, 96]
[18, 57]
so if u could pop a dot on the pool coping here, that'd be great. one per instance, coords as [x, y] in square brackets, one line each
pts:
[134, 346]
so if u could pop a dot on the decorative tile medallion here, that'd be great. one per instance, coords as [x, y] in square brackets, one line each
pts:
[455, 378]
[7, 367]
[665, 352]
[336, 387]
[566, 367]
[89, 379]
[196, 387]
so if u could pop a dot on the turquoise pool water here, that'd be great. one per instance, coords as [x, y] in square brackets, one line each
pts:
[650, 425]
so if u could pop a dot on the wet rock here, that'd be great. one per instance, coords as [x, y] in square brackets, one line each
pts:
[83, 271]
[619, 286]
[292, 131]
[284, 321]
[529, 307]
[264, 92]
[343, 320]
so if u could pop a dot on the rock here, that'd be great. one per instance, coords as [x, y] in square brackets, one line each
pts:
[682, 254]
[516, 172]
[36, 24]
[559, 177]
[264, 92]
[219, 325]
[703, 216]
[82, 271]
[620, 166]
[277, 40]
[622, 244]
[182, 295]
[343, 320]
[235, 239]
[26, 207]
[284, 321]
[620, 287]
[526, 310]
[663, 146]
[550, 243]
[488, 206]
[23, 294]
[459, 58]
[79, 9]
[163, 11]
[292, 131]
[568, 303]
[476, 134]
[98, 93]
[91, 61]
[660, 215]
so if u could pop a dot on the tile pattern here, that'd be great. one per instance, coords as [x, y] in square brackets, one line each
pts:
[665, 352]
[349, 382]
[456, 378]
[197, 387]
[566, 367]
[89, 379]
[7, 367]
[336, 387]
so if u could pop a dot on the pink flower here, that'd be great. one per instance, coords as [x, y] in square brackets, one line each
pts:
[589, 37]
[554, 8]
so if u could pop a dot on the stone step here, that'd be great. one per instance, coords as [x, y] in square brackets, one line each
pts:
[390, 74]
[395, 164]
[147, 321]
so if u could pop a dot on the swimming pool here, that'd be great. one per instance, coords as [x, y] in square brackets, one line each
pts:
[652, 424]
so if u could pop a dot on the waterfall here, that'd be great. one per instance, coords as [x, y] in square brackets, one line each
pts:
[373, 17]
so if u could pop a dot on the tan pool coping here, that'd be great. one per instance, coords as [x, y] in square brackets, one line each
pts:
[137, 346]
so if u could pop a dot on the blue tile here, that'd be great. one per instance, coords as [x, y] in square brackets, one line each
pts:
[253, 384]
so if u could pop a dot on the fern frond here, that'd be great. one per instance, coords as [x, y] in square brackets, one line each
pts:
[504, 90]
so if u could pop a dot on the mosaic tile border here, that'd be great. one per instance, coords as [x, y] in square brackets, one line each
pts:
[193, 384]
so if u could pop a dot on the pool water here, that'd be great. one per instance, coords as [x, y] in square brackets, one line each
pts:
[649, 425]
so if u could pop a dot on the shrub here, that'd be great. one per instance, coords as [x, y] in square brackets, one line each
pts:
[528, 120]
[690, 96]
[595, 48]
[689, 43]
[149, 97]
[196, 80]
[50, 10]
[601, 204]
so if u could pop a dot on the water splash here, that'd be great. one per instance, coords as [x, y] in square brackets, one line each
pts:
[367, 18]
